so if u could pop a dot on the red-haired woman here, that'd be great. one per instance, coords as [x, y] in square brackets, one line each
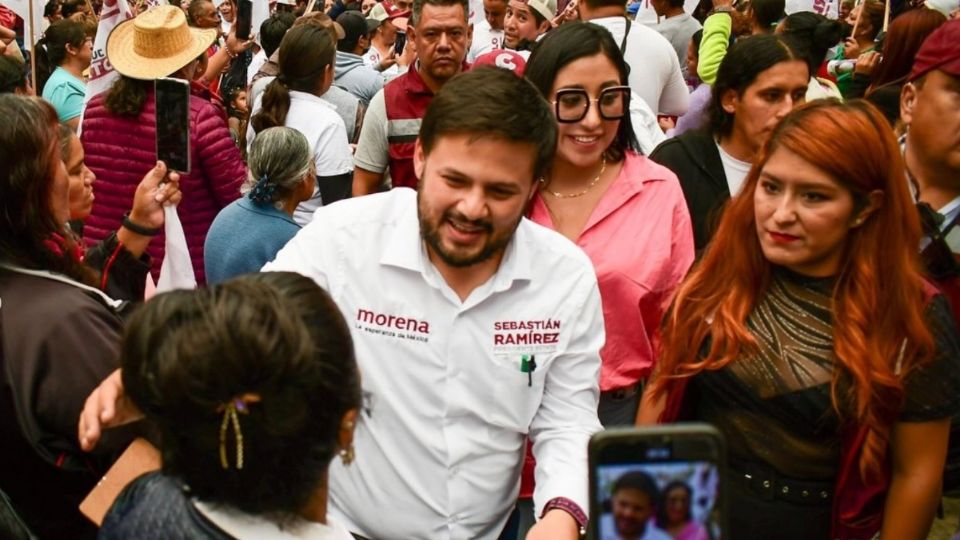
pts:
[808, 336]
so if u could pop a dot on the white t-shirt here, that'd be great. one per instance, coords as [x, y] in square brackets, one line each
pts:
[654, 68]
[485, 39]
[647, 15]
[735, 170]
[256, 63]
[245, 526]
[372, 59]
[441, 443]
[327, 135]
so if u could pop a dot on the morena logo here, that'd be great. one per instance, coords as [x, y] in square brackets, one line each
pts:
[406, 324]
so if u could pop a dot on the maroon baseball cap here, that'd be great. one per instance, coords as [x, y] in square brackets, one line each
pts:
[941, 50]
[503, 58]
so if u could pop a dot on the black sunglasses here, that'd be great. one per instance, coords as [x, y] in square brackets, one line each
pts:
[572, 104]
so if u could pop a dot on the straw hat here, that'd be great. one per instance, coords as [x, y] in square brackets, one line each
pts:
[156, 43]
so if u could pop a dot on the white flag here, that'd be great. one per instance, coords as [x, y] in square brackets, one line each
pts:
[176, 270]
[259, 13]
[102, 75]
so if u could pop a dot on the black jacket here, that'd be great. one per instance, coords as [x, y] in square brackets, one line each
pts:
[694, 158]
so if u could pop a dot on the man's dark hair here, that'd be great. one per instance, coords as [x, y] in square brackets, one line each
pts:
[69, 7]
[746, 59]
[13, 75]
[273, 29]
[490, 101]
[813, 35]
[418, 8]
[568, 43]
[51, 7]
[675, 3]
[277, 336]
[767, 12]
[640, 481]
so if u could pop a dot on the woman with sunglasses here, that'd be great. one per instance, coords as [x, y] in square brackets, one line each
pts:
[626, 212]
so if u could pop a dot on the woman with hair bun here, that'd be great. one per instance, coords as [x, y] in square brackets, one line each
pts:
[809, 337]
[306, 62]
[253, 388]
[249, 232]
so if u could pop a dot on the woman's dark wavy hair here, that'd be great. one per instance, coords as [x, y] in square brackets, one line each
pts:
[54, 44]
[30, 235]
[305, 53]
[746, 59]
[126, 96]
[813, 35]
[570, 42]
[662, 520]
[186, 354]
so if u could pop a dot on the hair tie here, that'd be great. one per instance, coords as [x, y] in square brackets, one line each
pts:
[230, 409]
[263, 190]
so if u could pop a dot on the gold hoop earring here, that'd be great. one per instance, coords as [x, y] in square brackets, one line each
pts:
[347, 455]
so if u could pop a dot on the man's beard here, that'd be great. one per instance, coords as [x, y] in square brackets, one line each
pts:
[494, 245]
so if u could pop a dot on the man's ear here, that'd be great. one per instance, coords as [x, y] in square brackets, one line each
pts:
[908, 99]
[545, 27]
[419, 159]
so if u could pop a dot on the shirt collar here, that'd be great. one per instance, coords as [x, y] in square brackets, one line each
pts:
[306, 96]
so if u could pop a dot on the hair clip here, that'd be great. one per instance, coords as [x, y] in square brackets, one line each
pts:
[236, 405]
[263, 190]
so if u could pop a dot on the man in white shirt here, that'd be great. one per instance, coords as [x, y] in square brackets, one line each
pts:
[473, 328]
[655, 73]
[488, 32]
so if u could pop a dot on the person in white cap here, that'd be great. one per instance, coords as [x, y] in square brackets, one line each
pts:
[389, 20]
[526, 21]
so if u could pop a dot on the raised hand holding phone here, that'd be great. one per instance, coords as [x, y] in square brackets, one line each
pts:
[173, 123]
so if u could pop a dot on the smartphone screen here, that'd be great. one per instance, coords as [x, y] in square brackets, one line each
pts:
[645, 483]
[244, 17]
[173, 123]
[400, 43]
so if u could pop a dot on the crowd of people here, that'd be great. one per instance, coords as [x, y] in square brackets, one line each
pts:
[439, 244]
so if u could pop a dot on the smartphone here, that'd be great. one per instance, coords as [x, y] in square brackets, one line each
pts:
[244, 17]
[654, 477]
[400, 44]
[173, 123]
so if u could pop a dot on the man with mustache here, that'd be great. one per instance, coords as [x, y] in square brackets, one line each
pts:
[441, 35]
[474, 328]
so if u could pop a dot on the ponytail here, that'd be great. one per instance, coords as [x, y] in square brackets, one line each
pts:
[274, 107]
[54, 46]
